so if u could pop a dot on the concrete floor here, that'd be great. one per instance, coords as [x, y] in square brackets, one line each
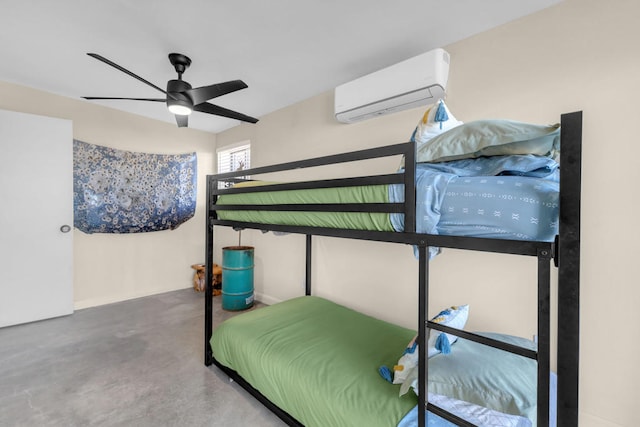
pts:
[133, 363]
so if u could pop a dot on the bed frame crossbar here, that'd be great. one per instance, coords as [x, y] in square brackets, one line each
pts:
[513, 247]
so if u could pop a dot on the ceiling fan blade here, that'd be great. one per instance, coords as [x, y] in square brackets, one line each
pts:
[205, 107]
[128, 99]
[124, 70]
[183, 121]
[205, 93]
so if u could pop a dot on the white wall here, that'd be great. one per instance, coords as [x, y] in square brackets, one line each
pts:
[579, 55]
[109, 267]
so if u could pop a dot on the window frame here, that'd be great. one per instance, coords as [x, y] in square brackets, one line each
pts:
[228, 151]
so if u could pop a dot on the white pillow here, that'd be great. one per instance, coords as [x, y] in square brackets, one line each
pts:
[432, 123]
[455, 317]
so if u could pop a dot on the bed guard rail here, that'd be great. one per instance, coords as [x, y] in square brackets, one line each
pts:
[406, 177]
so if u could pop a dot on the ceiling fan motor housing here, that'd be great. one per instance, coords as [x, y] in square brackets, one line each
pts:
[176, 89]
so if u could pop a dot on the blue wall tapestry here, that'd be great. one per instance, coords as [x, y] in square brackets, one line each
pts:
[117, 191]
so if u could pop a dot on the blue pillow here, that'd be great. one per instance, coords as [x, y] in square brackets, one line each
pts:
[487, 376]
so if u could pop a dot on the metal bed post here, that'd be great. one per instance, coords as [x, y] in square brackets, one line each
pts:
[307, 284]
[569, 269]
[410, 188]
[423, 306]
[544, 335]
[208, 295]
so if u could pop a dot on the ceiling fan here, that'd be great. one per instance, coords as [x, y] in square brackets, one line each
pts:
[181, 98]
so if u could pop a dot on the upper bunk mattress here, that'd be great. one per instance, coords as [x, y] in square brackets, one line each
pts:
[344, 220]
[503, 197]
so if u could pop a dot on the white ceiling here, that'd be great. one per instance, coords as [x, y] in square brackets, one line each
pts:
[285, 50]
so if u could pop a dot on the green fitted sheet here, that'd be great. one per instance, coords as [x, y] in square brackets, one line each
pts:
[318, 361]
[346, 220]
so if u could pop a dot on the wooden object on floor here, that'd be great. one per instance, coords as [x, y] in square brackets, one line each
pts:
[199, 282]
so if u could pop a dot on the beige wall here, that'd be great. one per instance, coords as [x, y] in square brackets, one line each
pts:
[109, 268]
[579, 55]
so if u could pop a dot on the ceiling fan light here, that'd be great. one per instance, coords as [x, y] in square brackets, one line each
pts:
[180, 110]
[179, 107]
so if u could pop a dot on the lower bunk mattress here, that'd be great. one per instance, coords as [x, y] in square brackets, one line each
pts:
[504, 197]
[319, 361]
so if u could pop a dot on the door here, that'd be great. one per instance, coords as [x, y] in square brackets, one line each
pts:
[36, 217]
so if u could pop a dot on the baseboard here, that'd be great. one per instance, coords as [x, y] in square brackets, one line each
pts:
[95, 302]
[266, 299]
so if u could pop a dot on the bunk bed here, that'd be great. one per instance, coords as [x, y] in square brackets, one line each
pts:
[293, 347]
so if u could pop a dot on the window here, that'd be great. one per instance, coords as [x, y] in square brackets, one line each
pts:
[234, 158]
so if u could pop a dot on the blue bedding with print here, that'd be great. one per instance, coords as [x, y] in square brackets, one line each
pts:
[503, 197]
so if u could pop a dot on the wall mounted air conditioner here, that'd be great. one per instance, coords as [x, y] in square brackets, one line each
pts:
[420, 80]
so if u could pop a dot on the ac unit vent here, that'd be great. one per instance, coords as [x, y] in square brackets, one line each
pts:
[418, 81]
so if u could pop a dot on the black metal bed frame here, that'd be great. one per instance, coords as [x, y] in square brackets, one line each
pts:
[565, 253]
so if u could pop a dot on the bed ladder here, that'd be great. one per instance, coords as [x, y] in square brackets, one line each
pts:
[566, 254]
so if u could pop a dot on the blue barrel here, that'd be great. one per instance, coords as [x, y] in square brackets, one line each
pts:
[237, 277]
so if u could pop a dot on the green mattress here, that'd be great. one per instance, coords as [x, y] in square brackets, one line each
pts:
[345, 220]
[318, 361]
